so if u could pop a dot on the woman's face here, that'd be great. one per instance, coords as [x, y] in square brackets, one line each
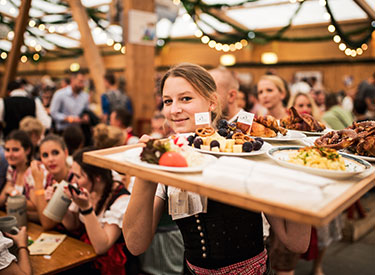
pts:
[80, 177]
[15, 154]
[53, 156]
[303, 105]
[181, 103]
[268, 94]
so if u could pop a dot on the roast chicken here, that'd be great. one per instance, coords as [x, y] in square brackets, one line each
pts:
[337, 139]
[266, 126]
[301, 122]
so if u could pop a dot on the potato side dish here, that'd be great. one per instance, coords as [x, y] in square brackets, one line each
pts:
[318, 157]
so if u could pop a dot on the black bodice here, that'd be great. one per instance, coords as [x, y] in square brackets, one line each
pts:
[223, 236]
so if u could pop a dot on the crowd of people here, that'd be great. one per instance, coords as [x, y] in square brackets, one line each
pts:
[46, 130]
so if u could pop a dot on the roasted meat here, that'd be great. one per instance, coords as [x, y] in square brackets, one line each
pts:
[301, 122]
[337, 139]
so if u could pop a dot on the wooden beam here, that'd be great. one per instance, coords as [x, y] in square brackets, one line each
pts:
[222, 15]
[366, 8]
[139, 70]
[90, 50]
[14, 54]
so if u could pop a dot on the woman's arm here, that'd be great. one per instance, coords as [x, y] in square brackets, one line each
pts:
[71, 221]
[142, 216]
[295, 236]
[101, 238]
[37, 195]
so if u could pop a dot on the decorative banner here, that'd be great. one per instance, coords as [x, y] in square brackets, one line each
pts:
[202, 118]
[142, 27]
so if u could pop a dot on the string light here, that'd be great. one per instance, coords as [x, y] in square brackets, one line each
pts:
[331, 28]
[110, 42]
[337, 38]
[117, 46]
[205, 39]
[24, 59]
[3, 55]
[42, 27]
[32, 23]
[52, 29]
[123, 50]
[176, 2]
[36, 57]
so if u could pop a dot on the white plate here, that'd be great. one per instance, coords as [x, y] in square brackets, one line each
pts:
[309, 141]
[353, 164]
[325, 131]
[133, 156]
[265, 147]
[348, 152]
[291, 135]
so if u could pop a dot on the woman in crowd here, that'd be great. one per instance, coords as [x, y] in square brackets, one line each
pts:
[52, 168]
[99, 207]
[271, 93]
[18, 153]
[304, 104]
[223, 239]
[107, 136]
[35, 130]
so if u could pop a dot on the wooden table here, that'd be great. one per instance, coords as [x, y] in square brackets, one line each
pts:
[70, 253]
[337, 197]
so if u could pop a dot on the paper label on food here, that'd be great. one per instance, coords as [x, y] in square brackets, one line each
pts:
[202, 118]
[246, 118]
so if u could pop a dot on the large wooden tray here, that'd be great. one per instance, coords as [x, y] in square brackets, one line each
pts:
[339, 197]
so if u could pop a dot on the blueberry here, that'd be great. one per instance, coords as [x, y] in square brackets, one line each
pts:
[259, 139]
[247, 147]
[214, 143]
[223, 132]
[257, 145]
[198, 142]
[190, 139]
[222, 123]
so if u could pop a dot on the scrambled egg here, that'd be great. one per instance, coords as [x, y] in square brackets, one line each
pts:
[318, 157]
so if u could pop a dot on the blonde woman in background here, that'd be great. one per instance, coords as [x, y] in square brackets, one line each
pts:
[304, 104]
[271, 93]
[106, 136]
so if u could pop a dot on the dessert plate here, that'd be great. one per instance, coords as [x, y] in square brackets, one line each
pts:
[353, 164]
[264, 149]
[133, 156]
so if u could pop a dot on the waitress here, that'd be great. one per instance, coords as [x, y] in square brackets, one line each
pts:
[224, 239]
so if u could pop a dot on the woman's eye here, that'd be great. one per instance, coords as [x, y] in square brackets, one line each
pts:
[55, 152]
[186, 98]
[167, 101]
[45, 155]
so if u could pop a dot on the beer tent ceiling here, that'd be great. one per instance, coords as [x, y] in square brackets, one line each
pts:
[51, 28]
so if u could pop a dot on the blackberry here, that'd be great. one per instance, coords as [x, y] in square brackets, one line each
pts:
[198, 142]
[190, 139]
[223, 132]
[214, 143]
[257, 145]
[222, 123]
[247, 147]
[259, 139]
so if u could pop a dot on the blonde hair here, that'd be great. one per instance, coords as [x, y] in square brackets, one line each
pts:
[279, 83]
[314, 108]
[31, 125]
[200, 79]
[106, 136]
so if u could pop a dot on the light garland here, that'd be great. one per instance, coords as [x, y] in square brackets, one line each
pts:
[37, 29]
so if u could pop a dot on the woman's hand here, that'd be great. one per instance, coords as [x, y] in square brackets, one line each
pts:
[144, 139]
[37, 173]
[82, 200]
[11, 191]
[20, 238]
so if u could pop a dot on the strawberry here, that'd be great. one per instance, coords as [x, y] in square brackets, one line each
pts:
[173, 159]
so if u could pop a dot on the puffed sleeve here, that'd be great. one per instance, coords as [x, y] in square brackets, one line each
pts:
[6, 258]
[161, 191]
[116, 212]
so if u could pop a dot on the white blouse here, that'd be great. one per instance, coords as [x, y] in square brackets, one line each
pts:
[113, 215]
[6, 258]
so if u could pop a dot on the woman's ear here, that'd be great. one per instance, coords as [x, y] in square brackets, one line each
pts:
[213, 102]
